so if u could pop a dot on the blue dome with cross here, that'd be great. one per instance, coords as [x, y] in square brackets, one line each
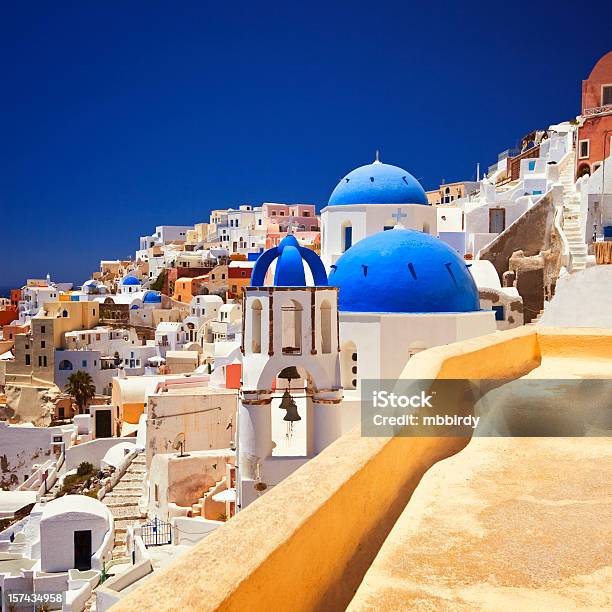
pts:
[378, 183]
[290, 261]
[402, 270]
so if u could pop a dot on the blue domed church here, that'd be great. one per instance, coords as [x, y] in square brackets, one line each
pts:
[392, 289]
[371, 199]
[400, 288]
[399, 292]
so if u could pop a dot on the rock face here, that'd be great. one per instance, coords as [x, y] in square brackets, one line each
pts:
[530, 249]
[33, 405]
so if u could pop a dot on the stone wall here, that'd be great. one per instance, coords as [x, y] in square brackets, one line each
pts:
[531, 249]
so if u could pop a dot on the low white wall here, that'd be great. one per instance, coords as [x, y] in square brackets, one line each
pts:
[111, 483]
[105, 552]
[110, 592]
[192, 530]
[582, 299]
[76, 598]
[92, 451]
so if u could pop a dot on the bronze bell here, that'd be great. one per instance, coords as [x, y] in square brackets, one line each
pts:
[289, 373]
[288, 404]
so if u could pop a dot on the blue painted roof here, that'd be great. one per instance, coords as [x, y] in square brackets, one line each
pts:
[290, 265]
[151, 297]
[403, 270]
[130, 280]
[378, 183]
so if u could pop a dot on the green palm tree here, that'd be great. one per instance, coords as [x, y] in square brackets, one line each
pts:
[81, 387]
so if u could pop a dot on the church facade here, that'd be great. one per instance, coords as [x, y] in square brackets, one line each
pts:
[371, 199]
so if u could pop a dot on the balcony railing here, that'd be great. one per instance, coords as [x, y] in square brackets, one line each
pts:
[598, 110]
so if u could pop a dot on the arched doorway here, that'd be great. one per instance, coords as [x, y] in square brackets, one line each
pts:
[583, 170]
[347, 236]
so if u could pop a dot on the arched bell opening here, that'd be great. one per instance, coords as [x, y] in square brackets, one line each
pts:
[291, 408]
[326, 327]
[256, 326]
[292, 328]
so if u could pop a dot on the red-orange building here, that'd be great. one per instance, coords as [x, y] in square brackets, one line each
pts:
[8, 314]
[595, 135]
[10, 331]
[15, 297]
[239, 273]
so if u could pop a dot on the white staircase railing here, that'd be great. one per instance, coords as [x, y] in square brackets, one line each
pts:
[568, 218]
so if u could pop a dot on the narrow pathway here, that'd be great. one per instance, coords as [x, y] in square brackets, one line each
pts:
[123, 500]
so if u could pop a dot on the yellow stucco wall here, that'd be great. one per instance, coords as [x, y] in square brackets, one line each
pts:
[182, 290]
[132, 412]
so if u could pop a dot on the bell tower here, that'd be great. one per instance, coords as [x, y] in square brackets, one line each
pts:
[290, 350]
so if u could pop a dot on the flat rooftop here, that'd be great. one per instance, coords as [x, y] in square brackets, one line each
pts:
[507, 523]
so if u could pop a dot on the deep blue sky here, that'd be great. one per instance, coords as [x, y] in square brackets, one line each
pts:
[116, 118]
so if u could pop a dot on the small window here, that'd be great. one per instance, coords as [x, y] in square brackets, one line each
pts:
[42, 329]
[583, 147]
[84, 363]
[43, 344]
[606, 95]
[532, 165]
[27, 359]
[499, 313]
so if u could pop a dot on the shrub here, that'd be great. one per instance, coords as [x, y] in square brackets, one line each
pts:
[85, 469]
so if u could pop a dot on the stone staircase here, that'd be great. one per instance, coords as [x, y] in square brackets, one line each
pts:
[571, 216]
[123, 500]
[197, 509]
